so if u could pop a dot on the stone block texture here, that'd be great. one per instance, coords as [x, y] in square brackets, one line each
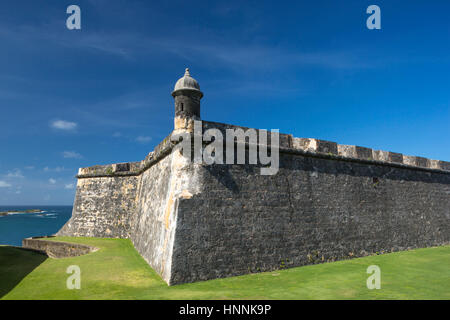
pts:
[327, 202]
[103, 207]
[57, 249]
[313, 210]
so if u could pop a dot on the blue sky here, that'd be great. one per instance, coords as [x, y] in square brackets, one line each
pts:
[75, 98]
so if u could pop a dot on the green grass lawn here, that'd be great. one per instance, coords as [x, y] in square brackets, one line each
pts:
[117, 271]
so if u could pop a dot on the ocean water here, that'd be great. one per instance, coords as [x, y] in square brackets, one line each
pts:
[16, 226]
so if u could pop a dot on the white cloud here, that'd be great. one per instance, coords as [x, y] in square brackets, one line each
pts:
[69, 186]
[143, 139]
[52, 181]
[4, 184]
[219, 53]
[57, 169]
[64, 125]
[72, 154]
[16, 173]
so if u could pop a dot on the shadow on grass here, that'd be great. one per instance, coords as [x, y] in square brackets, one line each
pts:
[16, 264]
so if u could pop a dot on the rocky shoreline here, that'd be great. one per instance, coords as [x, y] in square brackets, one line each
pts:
[5, 213]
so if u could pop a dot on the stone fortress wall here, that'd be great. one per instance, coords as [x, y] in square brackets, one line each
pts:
[191, 221]
[327, 202]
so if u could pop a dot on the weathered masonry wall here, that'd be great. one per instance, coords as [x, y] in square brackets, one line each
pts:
[137, 201]
[161, 187]
[106, 199]
[328, 202]
[314, 210]
[150, 236]
[103, 207]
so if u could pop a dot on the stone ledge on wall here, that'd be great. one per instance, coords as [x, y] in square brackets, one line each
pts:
[56, 249]
[288, 143]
